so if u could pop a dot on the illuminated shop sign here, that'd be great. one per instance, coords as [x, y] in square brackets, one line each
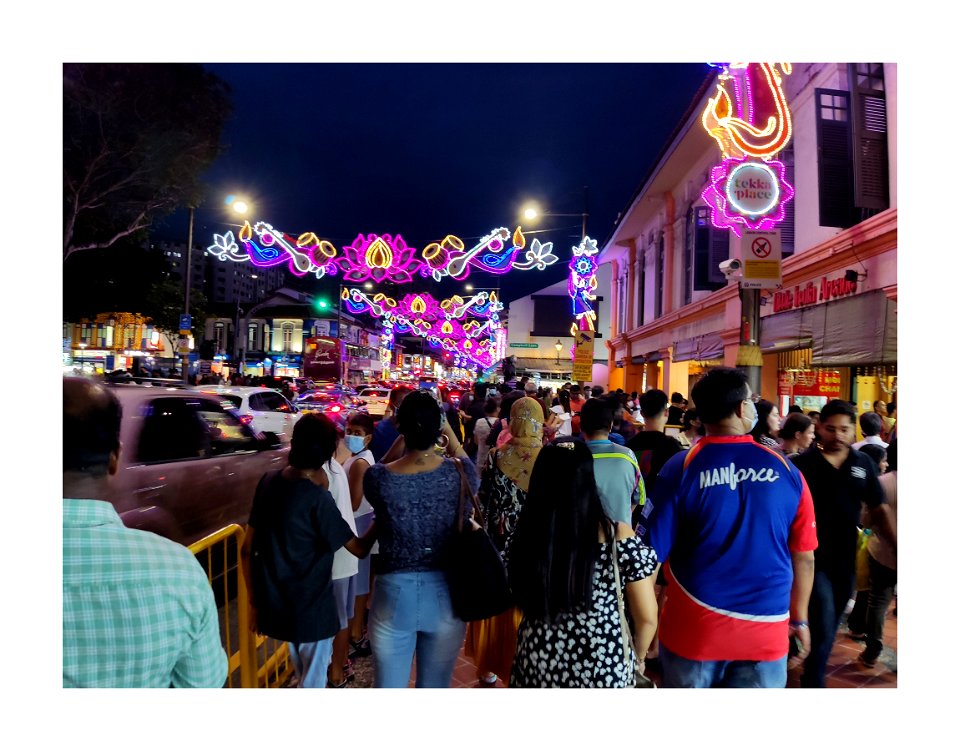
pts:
[811, 293]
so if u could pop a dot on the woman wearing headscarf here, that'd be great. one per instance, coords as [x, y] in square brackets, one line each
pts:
[503, 489]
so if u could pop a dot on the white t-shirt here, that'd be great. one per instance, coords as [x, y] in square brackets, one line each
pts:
[564, 428]
[345, 563]
[367, 456]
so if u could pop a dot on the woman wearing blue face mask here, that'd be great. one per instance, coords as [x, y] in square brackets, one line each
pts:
[359, 433]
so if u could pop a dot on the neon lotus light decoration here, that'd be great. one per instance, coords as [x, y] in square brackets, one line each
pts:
[307, 254]
[383, 258]
[750, 121]
[495, 253]
[582, 284]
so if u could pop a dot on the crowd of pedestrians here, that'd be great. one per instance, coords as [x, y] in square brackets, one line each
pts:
[723, 555]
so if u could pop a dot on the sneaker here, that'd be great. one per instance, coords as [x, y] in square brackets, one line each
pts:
[360, 648]
[487, 681]
[856, 636]
[869, 657]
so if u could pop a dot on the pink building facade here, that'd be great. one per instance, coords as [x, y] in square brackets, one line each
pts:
[830, 330]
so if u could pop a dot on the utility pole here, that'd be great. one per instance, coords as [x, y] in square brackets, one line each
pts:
[749, 358]
[184, 351]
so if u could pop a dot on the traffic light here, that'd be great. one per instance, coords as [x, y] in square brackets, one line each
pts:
[321, 304]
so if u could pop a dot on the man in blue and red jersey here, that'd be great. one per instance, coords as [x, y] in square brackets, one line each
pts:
[734, 522]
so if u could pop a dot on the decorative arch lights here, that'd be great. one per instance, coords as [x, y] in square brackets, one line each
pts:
[307, 254]
[582, 283]
[382, 257]
[495, 253]
[750, 121]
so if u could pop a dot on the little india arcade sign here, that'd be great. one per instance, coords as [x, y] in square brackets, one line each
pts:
[811, 293]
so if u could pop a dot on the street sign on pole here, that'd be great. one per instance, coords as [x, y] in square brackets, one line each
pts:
[761, 255]
[583, 357]
[186, 321]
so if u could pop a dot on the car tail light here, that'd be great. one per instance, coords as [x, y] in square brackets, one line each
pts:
[246, 419]
[335, 408]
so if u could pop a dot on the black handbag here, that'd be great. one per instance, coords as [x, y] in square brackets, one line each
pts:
[476, 575]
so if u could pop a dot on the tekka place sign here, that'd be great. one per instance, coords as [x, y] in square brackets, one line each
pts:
[812, 293]
[753, 189]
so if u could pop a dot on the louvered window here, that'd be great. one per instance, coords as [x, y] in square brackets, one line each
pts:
[835, 180]
[870, 160]
[711, 247]
[786, 226]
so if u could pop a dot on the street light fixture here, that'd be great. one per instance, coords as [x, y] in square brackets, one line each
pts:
[83, 347]
[558, 346]
[532, 212]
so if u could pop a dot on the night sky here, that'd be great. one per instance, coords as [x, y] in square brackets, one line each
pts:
[426, 150]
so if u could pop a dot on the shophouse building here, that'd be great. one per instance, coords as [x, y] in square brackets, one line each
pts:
[830, 330]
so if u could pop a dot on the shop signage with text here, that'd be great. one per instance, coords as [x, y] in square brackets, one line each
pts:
[811, 293]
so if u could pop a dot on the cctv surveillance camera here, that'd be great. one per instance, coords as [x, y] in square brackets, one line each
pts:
[730, 267]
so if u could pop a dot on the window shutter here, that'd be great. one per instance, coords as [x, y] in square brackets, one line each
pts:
[688, 259]
[719, 252]
[658, 300]
[834, 158]
[701, 248]
[787, 225]
[871, 180]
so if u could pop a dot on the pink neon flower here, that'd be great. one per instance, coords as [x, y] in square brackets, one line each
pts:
[722, 215]
[378, 257]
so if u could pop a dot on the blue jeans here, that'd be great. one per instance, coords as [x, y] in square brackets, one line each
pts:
[410, 613]
[829, 596]
[310, 661]
[679, 672]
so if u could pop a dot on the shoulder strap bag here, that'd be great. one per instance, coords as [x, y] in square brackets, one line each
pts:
[476, 575]
[625, 636]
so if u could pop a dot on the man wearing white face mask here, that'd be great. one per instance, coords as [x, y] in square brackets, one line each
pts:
[734, 522]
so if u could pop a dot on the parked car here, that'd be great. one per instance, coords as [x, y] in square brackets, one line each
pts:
[375, 400]
[188, 464]
[263, 409]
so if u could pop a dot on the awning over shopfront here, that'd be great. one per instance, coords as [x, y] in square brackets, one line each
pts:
[853, 331]
[703, 347]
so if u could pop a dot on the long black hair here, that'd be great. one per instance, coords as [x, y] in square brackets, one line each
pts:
[554, 550]
[764, 408]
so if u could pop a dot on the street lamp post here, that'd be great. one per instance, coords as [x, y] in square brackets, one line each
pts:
[239, 207]
[83, 347]
[184, 351]
[558, 346]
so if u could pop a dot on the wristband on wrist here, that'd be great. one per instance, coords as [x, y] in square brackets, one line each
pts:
[800, 624]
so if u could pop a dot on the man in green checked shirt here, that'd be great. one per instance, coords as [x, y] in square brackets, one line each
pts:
[137, 608]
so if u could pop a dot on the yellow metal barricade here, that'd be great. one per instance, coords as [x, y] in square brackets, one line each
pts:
[254, 660]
